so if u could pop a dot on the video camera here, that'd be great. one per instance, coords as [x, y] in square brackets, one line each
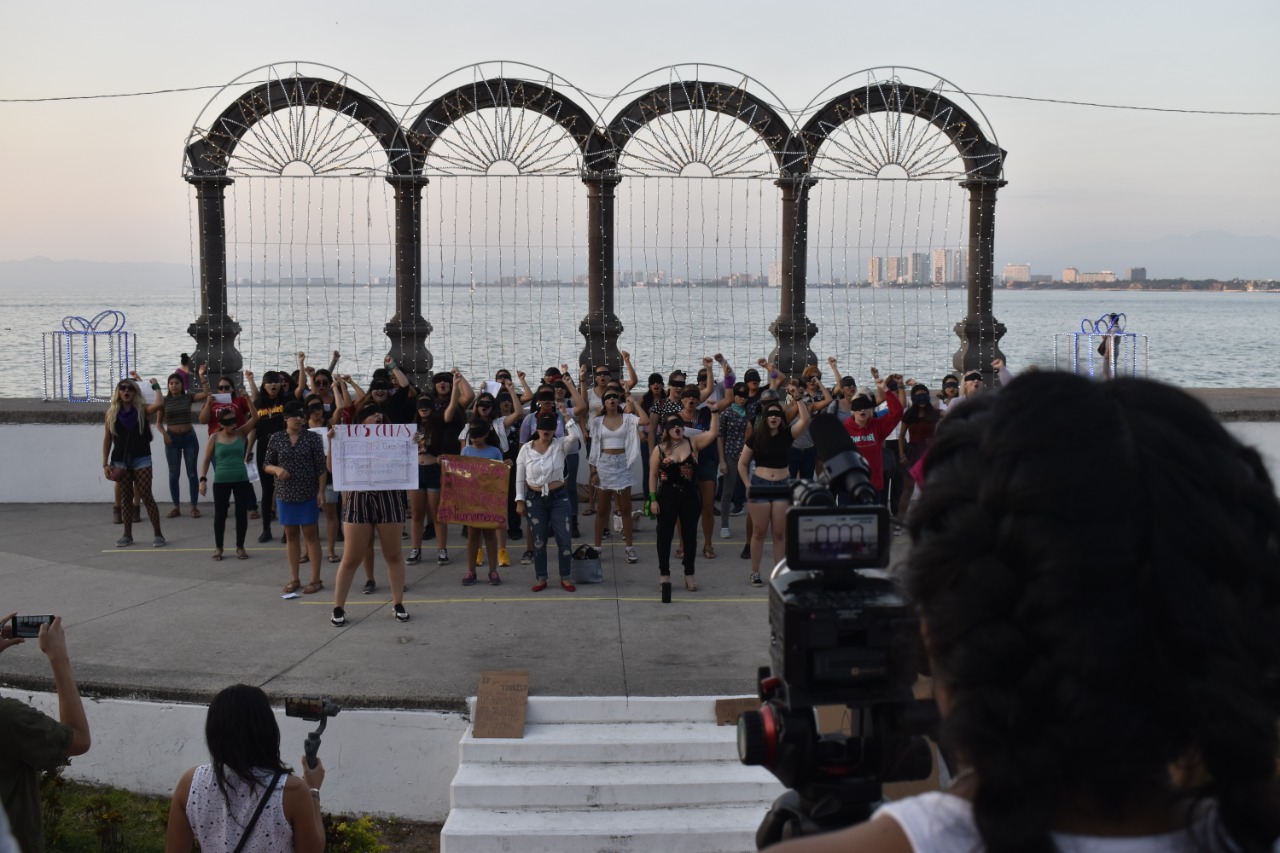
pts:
[312, 709]
[841, 633]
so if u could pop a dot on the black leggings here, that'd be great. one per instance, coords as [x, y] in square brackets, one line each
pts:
[683, 506]
[222, 492]
[268, 484]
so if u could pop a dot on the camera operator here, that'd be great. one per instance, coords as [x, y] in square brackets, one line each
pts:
[31, 741]
[1107, 680]
[246, 796]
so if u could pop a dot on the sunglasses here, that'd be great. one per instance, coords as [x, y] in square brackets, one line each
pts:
[506, 378]
[123, 388]
[603, 373]
[323, 383]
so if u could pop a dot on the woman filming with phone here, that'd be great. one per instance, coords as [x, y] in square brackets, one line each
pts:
[246, 799]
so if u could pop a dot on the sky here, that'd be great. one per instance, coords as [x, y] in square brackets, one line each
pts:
[101, 179]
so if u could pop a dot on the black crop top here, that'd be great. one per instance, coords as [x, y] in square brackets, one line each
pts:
[772, 453]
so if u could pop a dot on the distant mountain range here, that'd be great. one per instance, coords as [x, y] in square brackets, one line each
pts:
[1202, 255]
[97, 275]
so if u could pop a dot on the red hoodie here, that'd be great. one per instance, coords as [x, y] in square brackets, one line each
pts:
[870, 439]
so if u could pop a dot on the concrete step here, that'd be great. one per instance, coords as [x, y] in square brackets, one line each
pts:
[615, 709]
[688, 830]
[621, 786]
[585, 743]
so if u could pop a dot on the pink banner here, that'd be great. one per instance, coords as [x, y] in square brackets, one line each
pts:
[472, 491]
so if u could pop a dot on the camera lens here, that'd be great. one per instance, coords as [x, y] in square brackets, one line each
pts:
[757, 737]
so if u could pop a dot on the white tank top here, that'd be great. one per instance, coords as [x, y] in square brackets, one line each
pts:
[218, 824]
[613, 439]
[937, 822]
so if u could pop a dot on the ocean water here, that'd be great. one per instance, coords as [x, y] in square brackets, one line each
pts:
[1188, 339]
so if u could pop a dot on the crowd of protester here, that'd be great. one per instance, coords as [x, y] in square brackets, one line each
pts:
[1103, 685]
[694, 450]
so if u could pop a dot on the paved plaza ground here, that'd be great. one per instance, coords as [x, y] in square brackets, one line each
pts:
[171, 623]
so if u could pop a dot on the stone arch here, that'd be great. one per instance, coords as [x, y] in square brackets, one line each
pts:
[503, 93]
[209, 154]
[982, 157]
[687, 95]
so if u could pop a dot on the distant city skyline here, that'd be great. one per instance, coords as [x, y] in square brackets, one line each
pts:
[1094, 188]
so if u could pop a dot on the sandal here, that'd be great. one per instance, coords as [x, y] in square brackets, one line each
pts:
[173, 513]
[334, 558]
[304, 559]
[253, 513]
[291, 586]
[708, 552]
[313, 587]
[690, 584]
[242, 554]
[589, 511]
[217, 555]
[195, 513]
[680, 553]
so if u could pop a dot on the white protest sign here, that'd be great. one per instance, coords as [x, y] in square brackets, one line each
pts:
[374, 457]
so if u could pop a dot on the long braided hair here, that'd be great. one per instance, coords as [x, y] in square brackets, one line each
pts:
[1097, 569]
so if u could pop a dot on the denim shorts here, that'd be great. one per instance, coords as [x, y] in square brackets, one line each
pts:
[757, 480]
[135, 464]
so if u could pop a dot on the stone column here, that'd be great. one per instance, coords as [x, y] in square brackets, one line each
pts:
[793, 330]
[601, 327]
[214, 330]
[408, 330]
[979, 331]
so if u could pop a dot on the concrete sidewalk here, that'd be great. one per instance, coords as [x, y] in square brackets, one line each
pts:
[169, 623]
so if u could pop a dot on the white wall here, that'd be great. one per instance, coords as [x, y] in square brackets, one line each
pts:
[48, 463]
[397, 763]
[62, 463]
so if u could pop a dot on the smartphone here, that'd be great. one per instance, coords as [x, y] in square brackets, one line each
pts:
[28, 627]
[306, 707]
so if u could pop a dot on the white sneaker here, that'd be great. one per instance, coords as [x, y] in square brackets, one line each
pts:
[631, 555]
[725, 533]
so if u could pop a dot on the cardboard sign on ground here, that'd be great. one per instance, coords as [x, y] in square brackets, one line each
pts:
[728, 710]
[500, 704]
[473, 491]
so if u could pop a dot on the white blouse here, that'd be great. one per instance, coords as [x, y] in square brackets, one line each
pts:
[536, 470]
[218, 824]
